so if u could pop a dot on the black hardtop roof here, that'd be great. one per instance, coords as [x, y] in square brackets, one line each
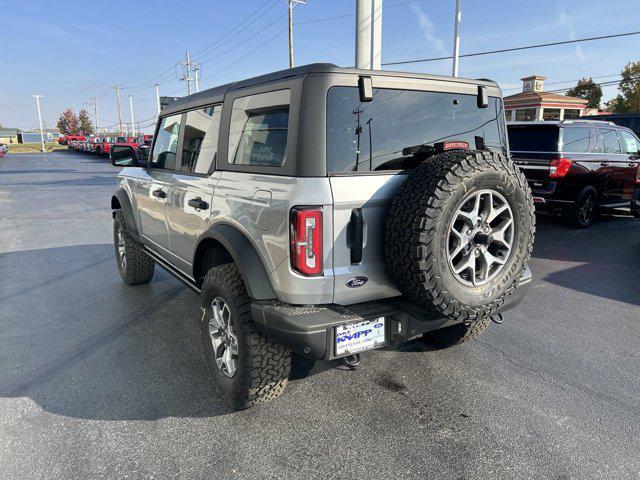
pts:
[216, 94]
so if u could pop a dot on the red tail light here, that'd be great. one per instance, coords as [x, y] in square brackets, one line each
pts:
[559, 167]
[638, 173]
[306, 240]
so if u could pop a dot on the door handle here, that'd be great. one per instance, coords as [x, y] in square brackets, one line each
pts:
[159, 193]
[632, 164]
[198, 203]
[604, 164]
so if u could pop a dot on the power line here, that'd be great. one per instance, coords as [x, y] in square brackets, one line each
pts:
[514, 49]
[565, 81]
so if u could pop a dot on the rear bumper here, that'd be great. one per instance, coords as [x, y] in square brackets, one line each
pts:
[310, 330]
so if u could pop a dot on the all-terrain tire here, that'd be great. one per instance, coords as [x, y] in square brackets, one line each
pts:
[137, 267]
[582, 213]
[263, 366]
[455, 334]
[417, 231]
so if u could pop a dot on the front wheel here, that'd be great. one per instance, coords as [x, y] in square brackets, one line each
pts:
[134, 265]
[246, 367]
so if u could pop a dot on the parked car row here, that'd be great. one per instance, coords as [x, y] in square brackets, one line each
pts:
[578, 167]
[102, 145]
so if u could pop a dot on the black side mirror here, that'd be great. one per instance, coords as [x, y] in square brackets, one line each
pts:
[123, 156]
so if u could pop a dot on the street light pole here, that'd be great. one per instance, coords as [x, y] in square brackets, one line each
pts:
[38, 97]
[133, 122]
[158, 97]
[376, 36]
[119, 111]
[95, 111]
[196, 76]
[456, 38]
[363, 34]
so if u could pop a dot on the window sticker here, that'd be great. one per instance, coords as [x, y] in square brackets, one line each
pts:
[632, 146]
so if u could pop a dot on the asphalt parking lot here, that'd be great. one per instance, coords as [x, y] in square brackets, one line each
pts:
[102, 380]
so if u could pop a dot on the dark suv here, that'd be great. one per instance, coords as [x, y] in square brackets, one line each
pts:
[575, 167]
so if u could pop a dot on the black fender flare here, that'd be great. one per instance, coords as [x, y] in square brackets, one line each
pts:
[245, 257]
[121, 197]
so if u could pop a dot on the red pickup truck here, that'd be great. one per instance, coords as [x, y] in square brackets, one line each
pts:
[66, 139]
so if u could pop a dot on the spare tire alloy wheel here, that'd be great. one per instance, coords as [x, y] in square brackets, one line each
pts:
[223, 338]
[480, 238]
[459, 232]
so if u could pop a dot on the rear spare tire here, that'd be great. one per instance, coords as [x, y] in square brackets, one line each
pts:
[459, 232]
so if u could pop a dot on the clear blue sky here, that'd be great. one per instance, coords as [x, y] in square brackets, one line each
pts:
[73, 51]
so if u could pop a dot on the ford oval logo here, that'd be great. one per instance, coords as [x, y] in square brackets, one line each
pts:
[356, 282]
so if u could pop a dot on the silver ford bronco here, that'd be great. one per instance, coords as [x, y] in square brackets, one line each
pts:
[324, 211]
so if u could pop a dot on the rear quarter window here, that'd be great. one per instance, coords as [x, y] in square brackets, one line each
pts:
[575, 139]
[259, 129]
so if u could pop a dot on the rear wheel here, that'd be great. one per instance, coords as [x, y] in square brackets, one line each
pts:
[246, 367]
[583, 212]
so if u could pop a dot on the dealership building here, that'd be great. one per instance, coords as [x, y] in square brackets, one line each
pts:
[534, 104]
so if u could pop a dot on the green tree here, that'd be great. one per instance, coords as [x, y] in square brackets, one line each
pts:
[85, 125]
[588, 90]
[629, 98]
[68, 122]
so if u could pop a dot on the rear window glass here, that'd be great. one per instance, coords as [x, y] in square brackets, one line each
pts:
[575, 140]
[530, 138]
[400, 127]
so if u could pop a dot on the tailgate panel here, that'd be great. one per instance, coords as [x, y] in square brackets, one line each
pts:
[372, 194]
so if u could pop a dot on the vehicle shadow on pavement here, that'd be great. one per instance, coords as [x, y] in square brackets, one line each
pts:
[602, 260]
[80, 343]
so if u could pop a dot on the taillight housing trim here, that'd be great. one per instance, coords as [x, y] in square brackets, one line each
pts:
[305, 240]
[559, 167]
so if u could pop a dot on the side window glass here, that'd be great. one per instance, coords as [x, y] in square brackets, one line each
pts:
[575, 140]
[629, 143]
[258, 130]
[164, 150]
[610, 141]
[200, 144]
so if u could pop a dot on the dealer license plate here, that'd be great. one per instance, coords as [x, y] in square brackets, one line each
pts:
[358, 337]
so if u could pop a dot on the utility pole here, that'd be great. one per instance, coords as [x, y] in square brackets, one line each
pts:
[119, 111]
[158, 97]
[456, 38]
[38, 97]
[95, 111]
[133, 122]
[187, 74]
[290, 33]
[291, 6]
[358, 111]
